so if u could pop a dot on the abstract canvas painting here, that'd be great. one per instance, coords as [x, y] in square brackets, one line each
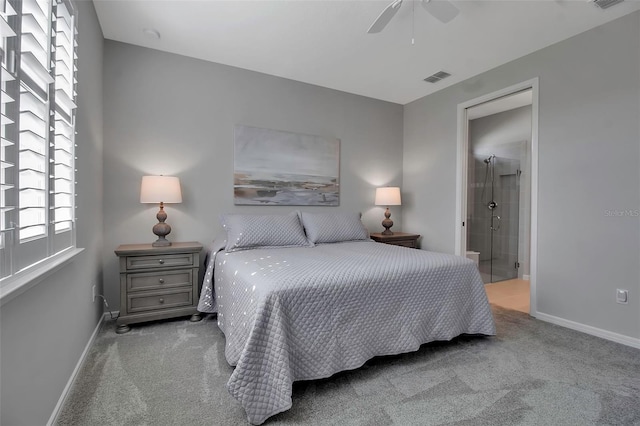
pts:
[273, 167]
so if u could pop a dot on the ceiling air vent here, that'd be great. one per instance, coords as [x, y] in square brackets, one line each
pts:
[605, 4]
[442, 75]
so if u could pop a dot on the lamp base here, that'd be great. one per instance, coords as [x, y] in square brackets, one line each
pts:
[387, 223]
[161, 229]
[161, 242]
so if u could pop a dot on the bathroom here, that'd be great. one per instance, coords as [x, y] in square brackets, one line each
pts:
[499, 194]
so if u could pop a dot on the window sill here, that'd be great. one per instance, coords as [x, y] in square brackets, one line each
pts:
[30, 277]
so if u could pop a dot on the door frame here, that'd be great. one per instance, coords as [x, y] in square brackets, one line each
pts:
[462, 168]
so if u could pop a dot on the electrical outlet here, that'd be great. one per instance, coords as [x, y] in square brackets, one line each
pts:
[93, 292]
[622, 296]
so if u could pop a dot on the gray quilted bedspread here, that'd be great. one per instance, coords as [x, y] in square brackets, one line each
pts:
[306, 313]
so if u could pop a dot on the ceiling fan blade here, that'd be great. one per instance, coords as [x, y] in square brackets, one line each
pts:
[442, 10]
[384, 18]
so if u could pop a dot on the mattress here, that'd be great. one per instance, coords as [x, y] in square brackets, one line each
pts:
[309, 312]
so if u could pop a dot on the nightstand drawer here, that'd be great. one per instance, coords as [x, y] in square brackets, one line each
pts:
[159, 261]
[401, 239]
[410, 244]
[159, 280]
[159, 300]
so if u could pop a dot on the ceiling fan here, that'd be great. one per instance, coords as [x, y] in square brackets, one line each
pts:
[442, 10]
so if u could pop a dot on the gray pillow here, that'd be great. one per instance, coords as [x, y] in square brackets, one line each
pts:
[263, 231]
[333, 227]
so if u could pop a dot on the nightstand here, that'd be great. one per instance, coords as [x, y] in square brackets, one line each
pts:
[157, 282]
[397, 239]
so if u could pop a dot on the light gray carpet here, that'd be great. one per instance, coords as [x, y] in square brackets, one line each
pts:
[531, 373]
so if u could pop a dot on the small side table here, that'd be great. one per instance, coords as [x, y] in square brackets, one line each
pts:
[397, 239]
[157, 282]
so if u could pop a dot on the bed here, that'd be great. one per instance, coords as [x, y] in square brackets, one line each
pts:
[322, 305]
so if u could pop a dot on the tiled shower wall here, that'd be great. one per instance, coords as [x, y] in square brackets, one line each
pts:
[498, 249]
[507, 135]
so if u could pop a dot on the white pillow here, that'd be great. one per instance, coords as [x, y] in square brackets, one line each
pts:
[263, 231]
[333, 227]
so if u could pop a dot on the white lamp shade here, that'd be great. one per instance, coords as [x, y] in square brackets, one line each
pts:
[388, 196]
[156, 189]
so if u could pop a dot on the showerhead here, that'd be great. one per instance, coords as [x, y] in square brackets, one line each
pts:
[488, 159]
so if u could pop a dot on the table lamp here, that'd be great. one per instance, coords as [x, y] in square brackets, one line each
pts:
[388, 196]
[161, 189]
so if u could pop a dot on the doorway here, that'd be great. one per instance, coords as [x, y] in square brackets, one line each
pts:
[496, 194]
[493, 215]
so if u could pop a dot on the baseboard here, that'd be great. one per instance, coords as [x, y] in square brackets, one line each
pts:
[65, 392]
[108, 316]
[598, 332]
[526, 277]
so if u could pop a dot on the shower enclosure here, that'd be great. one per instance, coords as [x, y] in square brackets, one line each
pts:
[493, 204]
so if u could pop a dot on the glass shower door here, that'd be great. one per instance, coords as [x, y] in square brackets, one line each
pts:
[493, 216]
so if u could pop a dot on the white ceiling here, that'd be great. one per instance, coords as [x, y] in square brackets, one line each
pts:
[325, 42]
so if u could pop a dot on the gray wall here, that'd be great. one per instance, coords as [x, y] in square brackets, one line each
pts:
[45, 329]
[589, 163]
[173, 115]
[502, 130]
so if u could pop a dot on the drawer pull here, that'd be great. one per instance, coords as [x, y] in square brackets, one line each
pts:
[161, 300]
[161, 261]
[161, 280]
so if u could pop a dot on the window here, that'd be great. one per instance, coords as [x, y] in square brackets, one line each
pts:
[38, 48]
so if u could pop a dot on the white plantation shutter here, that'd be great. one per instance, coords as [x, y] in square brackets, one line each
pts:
[33, 133]
[65, 95]
[7, 142]
[38, 128]
[33, 165]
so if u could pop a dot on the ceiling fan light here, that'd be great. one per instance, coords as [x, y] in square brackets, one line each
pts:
[443, 10]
